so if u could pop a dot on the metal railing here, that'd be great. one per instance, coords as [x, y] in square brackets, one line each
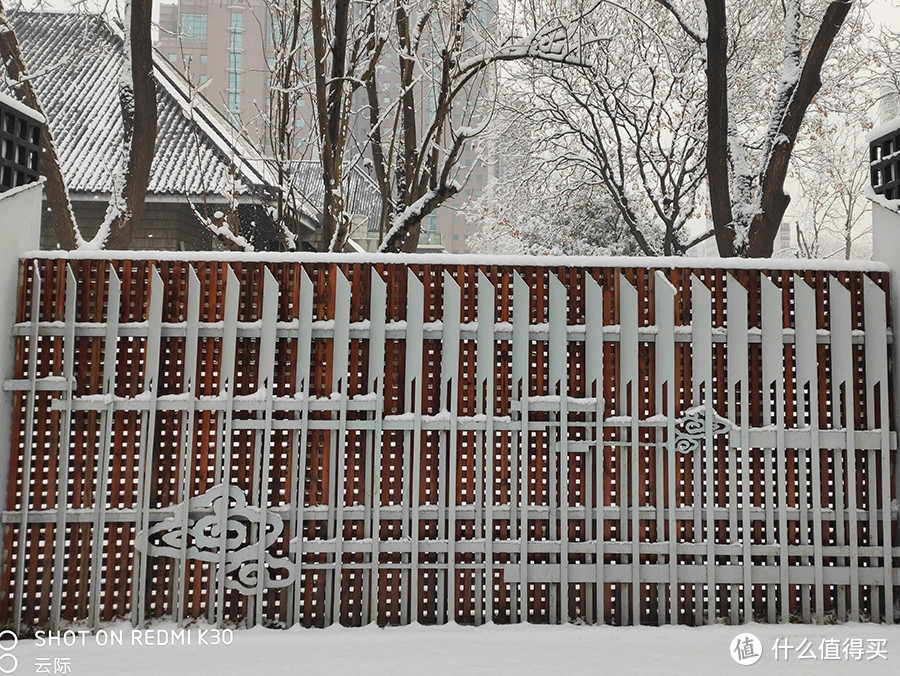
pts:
[884, 164]
[20, 144]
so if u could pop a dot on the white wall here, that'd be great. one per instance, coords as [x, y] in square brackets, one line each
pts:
[20, 231]
[886, 248]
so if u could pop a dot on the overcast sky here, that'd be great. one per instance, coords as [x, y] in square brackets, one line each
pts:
[887, 13]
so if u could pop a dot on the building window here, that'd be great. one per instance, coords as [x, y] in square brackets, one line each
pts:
[203, 58]
[203, 79]
[193, 27]
[173, 57]
[235, 43]
[234, 108]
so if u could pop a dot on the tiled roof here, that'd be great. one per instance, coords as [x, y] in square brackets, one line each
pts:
[75, 60]
[363, 196]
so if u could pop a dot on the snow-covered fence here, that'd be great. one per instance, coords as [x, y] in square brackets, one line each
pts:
[355, 440]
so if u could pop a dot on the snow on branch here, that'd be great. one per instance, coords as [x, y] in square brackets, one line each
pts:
[558, 41]
[218, 226]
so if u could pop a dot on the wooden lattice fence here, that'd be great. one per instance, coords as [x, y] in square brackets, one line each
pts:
[279, 442]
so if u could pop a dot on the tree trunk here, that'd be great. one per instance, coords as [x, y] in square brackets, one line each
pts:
[139, 119]
[773, 200]
[717, 122]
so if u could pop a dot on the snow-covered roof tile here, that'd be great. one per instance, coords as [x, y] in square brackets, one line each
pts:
[363, 195]
[75, 60]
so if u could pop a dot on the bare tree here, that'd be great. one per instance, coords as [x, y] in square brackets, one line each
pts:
[447, 54]
[632, 123]
[530, 210]
[831, 159]
[402, 87]
[747, 196]
[884, 75]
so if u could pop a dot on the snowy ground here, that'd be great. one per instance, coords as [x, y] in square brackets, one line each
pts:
[853, 649]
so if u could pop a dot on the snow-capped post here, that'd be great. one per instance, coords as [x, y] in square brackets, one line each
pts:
[20, 228]
[884, 191]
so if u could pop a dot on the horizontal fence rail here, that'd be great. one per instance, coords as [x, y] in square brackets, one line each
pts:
[280, 443]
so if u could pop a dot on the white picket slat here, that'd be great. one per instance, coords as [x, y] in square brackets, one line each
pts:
[808, 377]
[186, 460]
[739, 463]
[224, 436]
[147, 443]
[773, 381]
[844, 399]
[62, 498]
[664, 307]
[105, 445]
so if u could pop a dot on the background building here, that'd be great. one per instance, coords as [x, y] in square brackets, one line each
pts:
[226, 52]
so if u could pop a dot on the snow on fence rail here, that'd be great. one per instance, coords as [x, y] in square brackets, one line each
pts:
[316, 442]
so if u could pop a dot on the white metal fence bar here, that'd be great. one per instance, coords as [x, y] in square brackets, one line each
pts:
[878, 379]
[739, 462]
[701, 366]
[841, 360]
[378, 305]
[189, 387]
[224, 438]
[105, 444]
[664, 306]
[147, 437]
[62, 486]
[485, 371]
[450, 400]
[302, 366]
[28, 448]
[773, 368]
[521, 349]
[808, 387]
[262, 456]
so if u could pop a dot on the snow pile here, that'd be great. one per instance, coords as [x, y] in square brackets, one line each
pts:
[518, 649]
